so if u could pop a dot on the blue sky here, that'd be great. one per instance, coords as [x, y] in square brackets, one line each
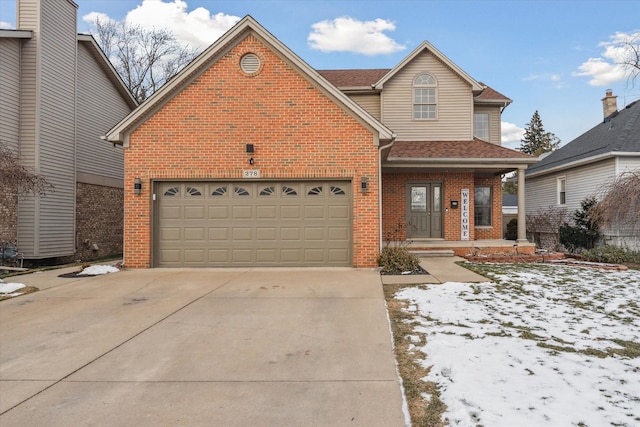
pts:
[552, 56]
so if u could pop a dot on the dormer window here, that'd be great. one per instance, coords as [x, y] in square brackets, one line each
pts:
[424, 97]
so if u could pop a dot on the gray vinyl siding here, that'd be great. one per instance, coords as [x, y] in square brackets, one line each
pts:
[581, 182]
[371, 103]
[626, 164]
[10, 93]
[28, 13]
[495, 135]
[100, 106]
[46, 226]
[454, 103]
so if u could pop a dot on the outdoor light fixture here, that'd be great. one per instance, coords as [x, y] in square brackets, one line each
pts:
[137, 186]
[251, 161]
[363, 184]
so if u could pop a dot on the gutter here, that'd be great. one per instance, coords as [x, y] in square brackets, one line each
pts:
[384, 147]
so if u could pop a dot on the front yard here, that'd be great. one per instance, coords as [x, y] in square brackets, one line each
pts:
[543, 345]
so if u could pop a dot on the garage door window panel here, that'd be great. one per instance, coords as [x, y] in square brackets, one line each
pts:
[289, 191]
[241, 191]
[171, 192]
[315, 191]
[220, 191]
[337, 191]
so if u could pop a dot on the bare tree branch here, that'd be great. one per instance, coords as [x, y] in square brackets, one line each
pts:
[619, 205]
[16, 180]
[145, 59]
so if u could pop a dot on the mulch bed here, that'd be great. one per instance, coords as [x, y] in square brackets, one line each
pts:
[417, 271]
[76, 274]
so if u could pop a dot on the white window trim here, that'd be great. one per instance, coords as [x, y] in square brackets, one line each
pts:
[558, 181]
[488, 116]
[433, 86]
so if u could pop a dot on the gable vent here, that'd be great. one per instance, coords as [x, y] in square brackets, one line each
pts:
[250, 63]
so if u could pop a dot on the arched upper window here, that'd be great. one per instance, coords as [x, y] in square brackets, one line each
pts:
[424, 97]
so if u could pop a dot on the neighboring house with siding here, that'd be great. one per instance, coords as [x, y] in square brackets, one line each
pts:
[250, 157]
[580, 169]
[59, 95]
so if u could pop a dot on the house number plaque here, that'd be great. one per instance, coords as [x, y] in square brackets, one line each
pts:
[251, 173]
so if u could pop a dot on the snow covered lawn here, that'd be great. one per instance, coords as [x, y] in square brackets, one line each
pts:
[542, 346]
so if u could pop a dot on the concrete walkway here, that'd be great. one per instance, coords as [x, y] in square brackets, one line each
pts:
[441, 270]
[210, 347]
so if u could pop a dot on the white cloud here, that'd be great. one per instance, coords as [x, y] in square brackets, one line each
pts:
[511, 135]
[6, 25]
[350, 35]
[198, 28]
[608, 68]
[90, 18]
[555, 79]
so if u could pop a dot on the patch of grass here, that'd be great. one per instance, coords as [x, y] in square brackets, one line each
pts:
[629, 349]
[422, 413]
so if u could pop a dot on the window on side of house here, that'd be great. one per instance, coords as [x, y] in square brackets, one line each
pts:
[562, 190]
[481, 126]
[482, 206]
[424, 97]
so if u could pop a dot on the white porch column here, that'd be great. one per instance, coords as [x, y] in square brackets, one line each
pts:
[522, 217]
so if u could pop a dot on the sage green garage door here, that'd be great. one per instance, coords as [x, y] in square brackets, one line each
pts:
[216, 224]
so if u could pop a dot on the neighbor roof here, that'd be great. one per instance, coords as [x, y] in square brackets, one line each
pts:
[617, 135]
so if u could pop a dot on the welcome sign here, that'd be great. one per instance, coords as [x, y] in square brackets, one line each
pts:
[464, 226]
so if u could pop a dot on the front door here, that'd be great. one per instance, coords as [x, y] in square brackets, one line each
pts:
[424, 210]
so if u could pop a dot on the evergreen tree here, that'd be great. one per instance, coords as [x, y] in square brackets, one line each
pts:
[536, 141]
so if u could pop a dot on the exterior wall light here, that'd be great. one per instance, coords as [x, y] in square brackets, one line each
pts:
[363, 184]
[137, 186]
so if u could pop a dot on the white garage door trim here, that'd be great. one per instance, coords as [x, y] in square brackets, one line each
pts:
[252, 223]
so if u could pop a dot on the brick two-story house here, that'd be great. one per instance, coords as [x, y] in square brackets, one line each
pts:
[251, 157]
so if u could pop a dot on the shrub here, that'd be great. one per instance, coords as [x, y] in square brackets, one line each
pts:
[585, 232]
[612, 254]
[396, 259]
[512, 230]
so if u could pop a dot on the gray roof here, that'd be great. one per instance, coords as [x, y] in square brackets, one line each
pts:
[618, 133]
[509, 200]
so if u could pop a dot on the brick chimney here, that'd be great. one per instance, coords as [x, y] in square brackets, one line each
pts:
[609, 103]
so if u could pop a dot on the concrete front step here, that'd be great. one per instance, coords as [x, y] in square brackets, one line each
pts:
[433, 253]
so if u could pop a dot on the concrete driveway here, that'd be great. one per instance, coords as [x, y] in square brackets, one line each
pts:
[199, 347]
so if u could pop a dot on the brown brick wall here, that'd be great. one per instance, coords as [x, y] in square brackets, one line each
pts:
[99, 221]
[8, 216]
[297, 131]
[394, 201]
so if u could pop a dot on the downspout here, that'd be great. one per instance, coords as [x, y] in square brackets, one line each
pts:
[384, 147]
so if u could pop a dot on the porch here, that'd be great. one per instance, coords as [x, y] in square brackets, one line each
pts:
[441, 247]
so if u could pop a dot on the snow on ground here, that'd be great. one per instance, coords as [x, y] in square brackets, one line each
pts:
[544, 345]
[96, 270]
[9, 289]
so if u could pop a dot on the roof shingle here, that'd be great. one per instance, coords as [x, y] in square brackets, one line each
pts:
[353, 78]
[475, 149]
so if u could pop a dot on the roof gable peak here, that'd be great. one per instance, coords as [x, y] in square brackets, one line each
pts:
[247, 25]
[425, 45]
